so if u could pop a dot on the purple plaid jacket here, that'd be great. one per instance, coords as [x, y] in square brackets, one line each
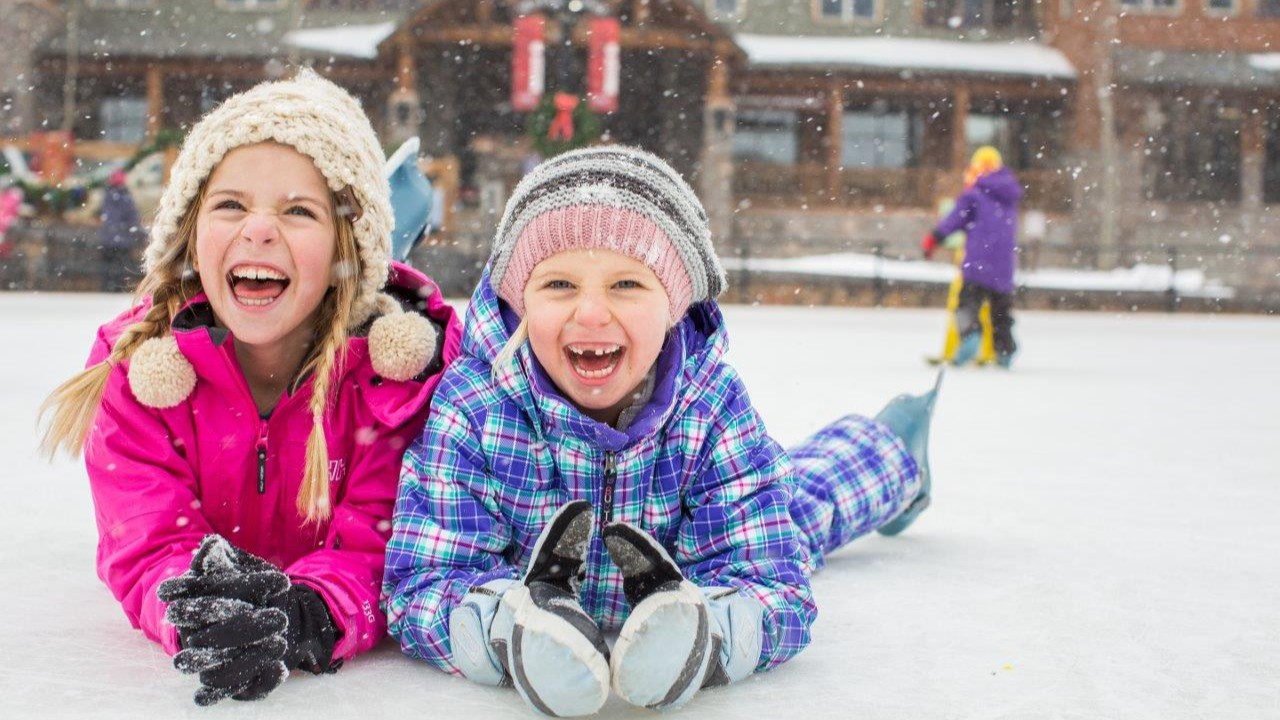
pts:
[503, 450]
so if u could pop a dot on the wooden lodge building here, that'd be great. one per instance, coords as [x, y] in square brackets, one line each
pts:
[808, 126]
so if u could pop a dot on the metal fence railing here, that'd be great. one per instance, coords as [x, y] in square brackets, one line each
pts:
[1226, 277]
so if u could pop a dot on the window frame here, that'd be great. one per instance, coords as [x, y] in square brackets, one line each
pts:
[1148, 7]
[846, 13]
[739, 6]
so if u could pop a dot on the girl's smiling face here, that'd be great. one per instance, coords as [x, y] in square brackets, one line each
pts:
[265, 243]
[596, 320]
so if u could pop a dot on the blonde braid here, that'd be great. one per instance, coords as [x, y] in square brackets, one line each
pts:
[326, 364]
[74, 403]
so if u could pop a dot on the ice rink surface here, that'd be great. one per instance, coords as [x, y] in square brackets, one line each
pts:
[1104, 540]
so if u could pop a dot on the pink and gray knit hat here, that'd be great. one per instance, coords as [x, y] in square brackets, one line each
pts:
[614, 198]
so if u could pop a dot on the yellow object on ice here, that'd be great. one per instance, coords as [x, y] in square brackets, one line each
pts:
[987, 349]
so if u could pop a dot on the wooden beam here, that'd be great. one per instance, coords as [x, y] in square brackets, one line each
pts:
[959, 120]
[407, 73]
[834, 131]
[155, 100]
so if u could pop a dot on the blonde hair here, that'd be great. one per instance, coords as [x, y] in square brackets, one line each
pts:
[512, 346]
[170, 284]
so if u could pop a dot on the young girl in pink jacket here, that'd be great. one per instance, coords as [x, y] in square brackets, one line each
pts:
[243, 425]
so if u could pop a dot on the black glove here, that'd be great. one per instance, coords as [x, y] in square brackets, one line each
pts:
[242, 626]
[229, 631]
[310, 634]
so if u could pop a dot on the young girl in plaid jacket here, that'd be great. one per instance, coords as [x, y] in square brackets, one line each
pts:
[591, 463]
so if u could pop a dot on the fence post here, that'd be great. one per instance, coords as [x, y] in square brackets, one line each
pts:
[877, 279]
[1172, 292]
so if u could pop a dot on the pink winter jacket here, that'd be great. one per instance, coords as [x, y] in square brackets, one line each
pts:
[163, 479]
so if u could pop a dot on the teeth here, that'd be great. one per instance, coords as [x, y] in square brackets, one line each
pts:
[254, 301]
[602, 372]
[255, 272]
[596, 351]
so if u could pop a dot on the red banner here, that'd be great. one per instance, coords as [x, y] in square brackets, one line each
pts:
[604, 63]
[528, 62]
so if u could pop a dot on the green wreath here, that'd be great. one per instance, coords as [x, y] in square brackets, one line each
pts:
[586, 128]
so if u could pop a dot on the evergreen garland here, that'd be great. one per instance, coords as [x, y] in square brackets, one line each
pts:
[70, 193]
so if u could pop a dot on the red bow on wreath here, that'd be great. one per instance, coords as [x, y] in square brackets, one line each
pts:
[561, 127]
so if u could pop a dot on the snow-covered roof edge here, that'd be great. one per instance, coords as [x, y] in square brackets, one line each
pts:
[1017, 57]
[350, 40]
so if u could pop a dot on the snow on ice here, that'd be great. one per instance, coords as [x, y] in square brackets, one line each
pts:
[1102, 543]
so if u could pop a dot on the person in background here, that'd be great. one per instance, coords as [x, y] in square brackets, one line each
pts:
[119, 235]
[988, 213]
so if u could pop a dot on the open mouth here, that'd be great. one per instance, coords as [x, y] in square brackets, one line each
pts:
[256, 285]
[593, 362]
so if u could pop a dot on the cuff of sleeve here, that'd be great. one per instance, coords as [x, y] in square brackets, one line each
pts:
[739, 622]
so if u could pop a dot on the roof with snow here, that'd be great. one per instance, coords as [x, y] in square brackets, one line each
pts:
[1018, 57]
[1212, 69]
[348, 40]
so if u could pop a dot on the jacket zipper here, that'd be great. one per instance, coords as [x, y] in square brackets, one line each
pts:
[262, 459]
[610, 481]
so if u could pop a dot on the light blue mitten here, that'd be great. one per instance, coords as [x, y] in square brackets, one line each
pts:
[534, 634]
[679, 638]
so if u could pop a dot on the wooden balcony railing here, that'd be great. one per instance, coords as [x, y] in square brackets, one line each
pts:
[810, 184]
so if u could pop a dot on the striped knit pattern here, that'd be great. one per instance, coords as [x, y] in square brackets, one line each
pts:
[318, 119]
[585, 227]
[612, 177]
[498, 456]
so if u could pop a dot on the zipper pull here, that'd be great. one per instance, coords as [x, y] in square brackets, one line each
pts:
[262, 460]
[610, 480]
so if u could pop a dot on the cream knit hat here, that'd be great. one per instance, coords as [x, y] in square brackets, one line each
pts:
[323, 122]
[319, 120]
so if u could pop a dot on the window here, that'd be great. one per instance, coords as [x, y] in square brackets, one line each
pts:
[1198, 152]
[767, 136]
[993, 14]
[845, 10]
[722, 8]
[1150, 5]
[1221, 7]
[880, 139]
[1268, 8]
[123, 119]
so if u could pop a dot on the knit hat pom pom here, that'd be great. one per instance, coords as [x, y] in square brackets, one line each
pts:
[159, 374]
[401, 344]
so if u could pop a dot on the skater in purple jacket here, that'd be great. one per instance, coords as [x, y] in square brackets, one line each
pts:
[988, 213]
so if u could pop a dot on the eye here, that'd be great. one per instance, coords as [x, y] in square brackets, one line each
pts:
[627, 285]
[301, 211]
[559, 285]
[228, 205]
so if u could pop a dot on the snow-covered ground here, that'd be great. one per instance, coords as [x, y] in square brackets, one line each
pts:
[1103, 542]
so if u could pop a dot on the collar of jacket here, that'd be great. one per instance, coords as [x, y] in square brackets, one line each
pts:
[692, 351]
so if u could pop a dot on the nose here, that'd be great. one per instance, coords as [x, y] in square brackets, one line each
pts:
[259, 228]
[593, 309]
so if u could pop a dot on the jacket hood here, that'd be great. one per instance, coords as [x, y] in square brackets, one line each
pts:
[692, 351]
[1001, 186]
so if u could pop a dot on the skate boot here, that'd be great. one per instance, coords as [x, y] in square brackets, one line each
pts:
[969, 346]
[909, 416]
